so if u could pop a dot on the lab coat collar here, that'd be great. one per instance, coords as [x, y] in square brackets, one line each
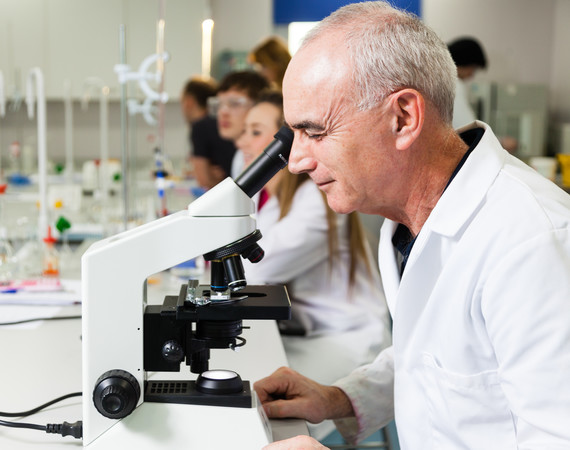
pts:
[462, 196]
[470, 185]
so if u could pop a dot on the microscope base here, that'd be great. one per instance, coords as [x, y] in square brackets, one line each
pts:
[156, 426]
[185, 392]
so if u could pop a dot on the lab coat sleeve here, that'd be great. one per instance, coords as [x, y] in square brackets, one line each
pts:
[526, 307]
[298, 241]
[370, 388]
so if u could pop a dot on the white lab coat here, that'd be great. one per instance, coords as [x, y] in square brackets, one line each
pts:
[481, 332]
[463, 113]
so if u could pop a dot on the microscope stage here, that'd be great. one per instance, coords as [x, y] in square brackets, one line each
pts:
[267, 302]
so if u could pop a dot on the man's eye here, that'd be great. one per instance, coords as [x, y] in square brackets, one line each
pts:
[316, 137]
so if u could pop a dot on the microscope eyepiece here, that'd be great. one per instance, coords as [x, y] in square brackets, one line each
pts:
[273, 158]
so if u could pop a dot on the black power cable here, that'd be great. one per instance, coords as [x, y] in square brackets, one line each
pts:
[65, 429]
[39, 408]
[22, 425]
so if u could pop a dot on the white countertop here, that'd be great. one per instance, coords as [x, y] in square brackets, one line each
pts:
[43, 361]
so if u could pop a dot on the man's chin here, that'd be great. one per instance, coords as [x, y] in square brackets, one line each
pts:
[227, 135]
[337, 205]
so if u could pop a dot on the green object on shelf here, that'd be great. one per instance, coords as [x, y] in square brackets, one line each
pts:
[62, 224]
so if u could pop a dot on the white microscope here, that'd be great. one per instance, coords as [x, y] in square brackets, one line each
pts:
[123, 338]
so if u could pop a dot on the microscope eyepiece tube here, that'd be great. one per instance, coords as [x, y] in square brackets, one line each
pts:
[273, 158]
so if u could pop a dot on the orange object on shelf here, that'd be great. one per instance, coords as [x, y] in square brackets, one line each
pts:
[50, 262]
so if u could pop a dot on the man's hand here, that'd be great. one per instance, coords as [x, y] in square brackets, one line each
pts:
[287, 393]
[298, 443]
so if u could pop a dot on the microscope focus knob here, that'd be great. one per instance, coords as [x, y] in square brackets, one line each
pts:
[116, 394]
[172, 351]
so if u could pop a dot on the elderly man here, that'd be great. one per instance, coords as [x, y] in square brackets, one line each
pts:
[475, 254]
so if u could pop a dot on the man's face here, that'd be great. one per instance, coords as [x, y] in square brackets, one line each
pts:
[466, 72]
[232, 108]
[340, 147]
[187, 105]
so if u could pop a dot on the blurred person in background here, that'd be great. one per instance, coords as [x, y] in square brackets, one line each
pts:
[236, 94]
[339, 315]
[469, 57]
[211, 155]
[271, 58]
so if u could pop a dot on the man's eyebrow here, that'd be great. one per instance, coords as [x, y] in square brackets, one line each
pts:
[306, 125]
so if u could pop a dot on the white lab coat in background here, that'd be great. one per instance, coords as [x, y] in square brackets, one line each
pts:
[481, 334]
[463, 113]
[346, 328]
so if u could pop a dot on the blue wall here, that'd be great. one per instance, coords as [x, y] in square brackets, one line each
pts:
[287, 11]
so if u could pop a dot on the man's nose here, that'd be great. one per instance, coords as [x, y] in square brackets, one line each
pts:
[300, 159]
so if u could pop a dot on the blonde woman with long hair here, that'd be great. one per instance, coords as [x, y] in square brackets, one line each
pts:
[339, 315]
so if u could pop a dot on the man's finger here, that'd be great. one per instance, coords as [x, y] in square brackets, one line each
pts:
[296, 443]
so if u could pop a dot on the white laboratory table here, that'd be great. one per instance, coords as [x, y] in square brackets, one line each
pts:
[43, 362]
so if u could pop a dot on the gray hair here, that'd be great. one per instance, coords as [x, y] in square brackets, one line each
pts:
[391, 49]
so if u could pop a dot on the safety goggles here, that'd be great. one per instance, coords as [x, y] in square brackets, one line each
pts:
[233, 104]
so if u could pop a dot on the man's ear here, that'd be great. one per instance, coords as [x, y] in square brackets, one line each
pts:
[408, 109]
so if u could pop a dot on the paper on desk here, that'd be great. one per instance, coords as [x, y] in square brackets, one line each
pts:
[70, 294]
[12, 313]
